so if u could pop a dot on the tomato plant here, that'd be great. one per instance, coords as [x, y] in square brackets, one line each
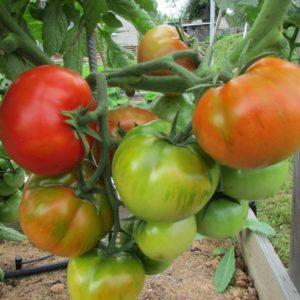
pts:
[32, 126]
[251, 121]
[165, 241]
[162, 40]
[56, 220]
[222, 218]
[254, 184]
[96, 275]
[158, 181]
[9, 208]
[166, 107]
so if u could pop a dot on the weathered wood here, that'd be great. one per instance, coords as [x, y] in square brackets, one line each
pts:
[264, 266]
[294, 260]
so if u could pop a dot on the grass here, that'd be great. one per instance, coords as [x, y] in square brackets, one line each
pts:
[276, 211]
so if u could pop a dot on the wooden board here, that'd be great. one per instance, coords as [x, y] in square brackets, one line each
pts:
[264, 266]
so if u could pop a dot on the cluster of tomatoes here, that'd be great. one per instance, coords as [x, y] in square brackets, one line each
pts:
[244, 132]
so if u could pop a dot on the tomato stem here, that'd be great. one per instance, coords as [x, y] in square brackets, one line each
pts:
[22, 40]
[265, 33]
[98, 83]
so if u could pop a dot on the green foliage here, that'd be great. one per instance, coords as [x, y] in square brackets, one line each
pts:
[115, 56]
[1, 274]
[10, 234]
[233, 4]
[149, 6]
[260, 227]
[132, 12]
[116, 98]
[55, 26]
[92, 13]
[225, 270]
[197, 9]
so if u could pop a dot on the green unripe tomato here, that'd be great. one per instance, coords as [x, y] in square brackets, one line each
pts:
[222, 218]
[9, 208]
[159, 181]
[166, 107]
[96, 276]
[164, 241]
[254, 184]
[151, 266]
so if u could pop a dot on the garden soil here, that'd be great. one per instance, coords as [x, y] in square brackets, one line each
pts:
[190, 277]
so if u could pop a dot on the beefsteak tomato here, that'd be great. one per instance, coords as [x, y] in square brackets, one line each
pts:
[253, 121]
[159, 181]
[56, 220]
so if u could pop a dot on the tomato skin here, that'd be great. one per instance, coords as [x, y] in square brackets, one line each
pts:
[151, 266]
[32, 128]
[222, 218]
[9, 209]
[254, 184]
[165, 241]
[95, 276]
[160, 41]
[56, 220]
[253, 121]
[166, 107]
[160, 182]
[128, 117]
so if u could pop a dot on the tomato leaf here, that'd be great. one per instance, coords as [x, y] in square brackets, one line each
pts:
[132, 12]
[112, 21]
[13, 65]
[115, 55]
[252, 12]
[54, 27]
[93, 9]
[1, 274]
[150, 6]
[233, 4]
[260, 227]
[218, 251]
[74, 48]
[10, 234]
[225, 271]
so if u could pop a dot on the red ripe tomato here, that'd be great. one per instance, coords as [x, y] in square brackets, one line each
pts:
[160, 41]
[32, 128]
[253, 120]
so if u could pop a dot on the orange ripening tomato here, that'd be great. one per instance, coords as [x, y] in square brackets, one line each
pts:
[253, 120]
[160, 41]
[124, 117]
[55, 219]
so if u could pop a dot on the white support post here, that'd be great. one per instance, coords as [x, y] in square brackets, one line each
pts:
[212, 20]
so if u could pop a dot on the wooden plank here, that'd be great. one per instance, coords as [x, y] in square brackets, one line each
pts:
[266, 269]
[294, 259]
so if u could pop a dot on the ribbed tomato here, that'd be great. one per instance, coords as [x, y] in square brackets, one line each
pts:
[162, 40]
[56, 220]
[253, 120]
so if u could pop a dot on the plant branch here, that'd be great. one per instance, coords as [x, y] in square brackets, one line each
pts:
[28, 49]
[23, 41]
[265, 33]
